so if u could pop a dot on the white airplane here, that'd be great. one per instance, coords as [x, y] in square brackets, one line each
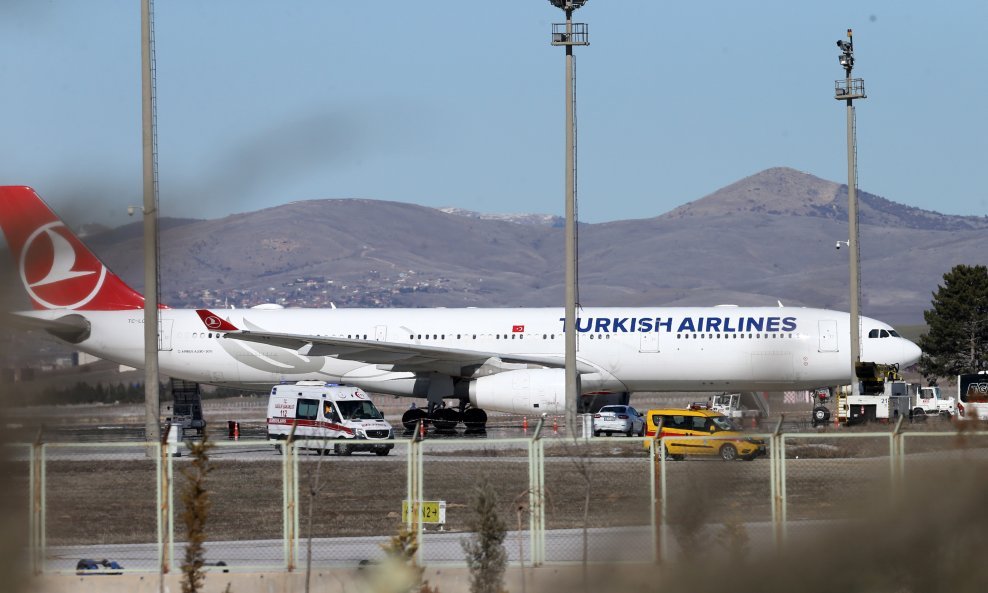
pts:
[508, 360]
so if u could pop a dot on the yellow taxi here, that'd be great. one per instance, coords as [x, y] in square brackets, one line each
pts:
[723, 437]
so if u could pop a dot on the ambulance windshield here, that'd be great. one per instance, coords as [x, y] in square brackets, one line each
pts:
[359, 410]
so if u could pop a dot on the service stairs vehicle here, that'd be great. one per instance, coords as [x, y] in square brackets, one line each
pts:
[187, 407]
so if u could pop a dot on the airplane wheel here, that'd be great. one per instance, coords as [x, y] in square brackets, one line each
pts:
[411, 417]
[475, 419]
[445, 419]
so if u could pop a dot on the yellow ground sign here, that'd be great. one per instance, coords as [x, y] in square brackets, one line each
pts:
[433, 511]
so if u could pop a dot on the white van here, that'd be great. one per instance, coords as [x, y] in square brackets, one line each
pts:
[328, 416]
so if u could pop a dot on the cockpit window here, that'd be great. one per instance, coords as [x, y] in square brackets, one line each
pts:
[883, 333]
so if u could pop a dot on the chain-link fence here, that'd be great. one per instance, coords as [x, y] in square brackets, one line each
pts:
[99, 501]
[453, 472]
[349, 504]
[245, 525]
[710, 507]
[599, 497]
[560, 500]
[16, 500]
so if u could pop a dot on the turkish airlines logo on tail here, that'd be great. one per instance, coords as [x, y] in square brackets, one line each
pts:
[58, 272]
[212, 322]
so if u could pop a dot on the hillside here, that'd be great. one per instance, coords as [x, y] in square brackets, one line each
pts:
[765, 238]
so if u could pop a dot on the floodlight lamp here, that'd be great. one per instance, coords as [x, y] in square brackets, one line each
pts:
[843, 45]
[568, 4]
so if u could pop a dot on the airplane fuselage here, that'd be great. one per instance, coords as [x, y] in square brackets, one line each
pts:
[629, 349]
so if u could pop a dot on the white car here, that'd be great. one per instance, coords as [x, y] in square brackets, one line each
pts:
[618, 419]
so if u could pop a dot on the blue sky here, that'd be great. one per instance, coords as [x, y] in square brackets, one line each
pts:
[461, 103]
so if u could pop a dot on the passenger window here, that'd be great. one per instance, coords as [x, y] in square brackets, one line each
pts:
[329, 412]
[699, 423]
[307, 409]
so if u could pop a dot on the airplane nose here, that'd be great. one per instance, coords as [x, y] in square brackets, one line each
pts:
[910, 354]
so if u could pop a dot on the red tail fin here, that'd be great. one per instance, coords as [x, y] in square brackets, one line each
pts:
[57, 270]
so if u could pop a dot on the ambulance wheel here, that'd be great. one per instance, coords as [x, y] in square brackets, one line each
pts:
[382, 452]
[728, 452]
[343, 449]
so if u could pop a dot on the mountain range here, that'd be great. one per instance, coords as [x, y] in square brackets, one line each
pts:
[765, 239]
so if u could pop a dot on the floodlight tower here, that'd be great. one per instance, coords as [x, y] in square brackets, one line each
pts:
[569, 34]
[152, 410]
[848, 90]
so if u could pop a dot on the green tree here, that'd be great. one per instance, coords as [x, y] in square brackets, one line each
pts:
[957, 341]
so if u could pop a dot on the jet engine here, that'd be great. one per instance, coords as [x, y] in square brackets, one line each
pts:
[525, 391]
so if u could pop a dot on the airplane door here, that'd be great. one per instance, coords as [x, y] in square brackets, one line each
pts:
[381, 333]
[649, 342]
[828, 335]
[165, 334]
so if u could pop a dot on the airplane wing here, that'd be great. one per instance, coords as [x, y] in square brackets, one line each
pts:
[402, 357]
[73, 328]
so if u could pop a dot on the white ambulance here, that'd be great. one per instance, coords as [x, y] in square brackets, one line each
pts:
[328, 417]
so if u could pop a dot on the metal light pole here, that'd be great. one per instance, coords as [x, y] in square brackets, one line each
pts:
[848, 90]
[569, 34]
[151, 400]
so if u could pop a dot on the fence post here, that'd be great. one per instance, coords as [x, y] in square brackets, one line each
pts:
[414, 484]
[897, 459]
[656, 451]
[166, 532]
[536, 500]
[778, 485]
[36, 515]
[290, 496]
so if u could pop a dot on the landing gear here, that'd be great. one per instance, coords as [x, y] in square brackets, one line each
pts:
[446, 418]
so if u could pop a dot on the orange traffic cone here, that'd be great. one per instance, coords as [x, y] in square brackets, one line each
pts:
[555, 426]
[524, 423]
